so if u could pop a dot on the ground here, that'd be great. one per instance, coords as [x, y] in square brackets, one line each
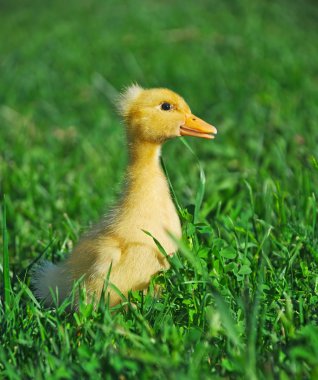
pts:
[241, 297]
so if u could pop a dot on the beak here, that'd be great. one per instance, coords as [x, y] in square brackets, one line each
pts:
[194, 126]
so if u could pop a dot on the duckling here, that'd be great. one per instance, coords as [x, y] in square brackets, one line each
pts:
[118, 246]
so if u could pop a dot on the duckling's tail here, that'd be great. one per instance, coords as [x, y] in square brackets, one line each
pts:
[51, 283]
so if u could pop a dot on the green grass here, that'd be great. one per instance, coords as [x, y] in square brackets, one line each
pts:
[241, 297]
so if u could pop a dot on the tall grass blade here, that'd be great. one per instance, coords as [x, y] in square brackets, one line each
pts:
[201, 189]
[174, 196]
[227, 321]
[6, 269]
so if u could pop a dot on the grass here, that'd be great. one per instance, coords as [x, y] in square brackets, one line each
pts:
[241, 297]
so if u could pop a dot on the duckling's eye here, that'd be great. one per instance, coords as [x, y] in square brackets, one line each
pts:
[165, 106]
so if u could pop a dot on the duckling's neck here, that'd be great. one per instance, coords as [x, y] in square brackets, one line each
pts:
[144, 174]
[144, 156]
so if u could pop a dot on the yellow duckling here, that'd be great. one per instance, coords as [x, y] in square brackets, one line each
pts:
[118, 245]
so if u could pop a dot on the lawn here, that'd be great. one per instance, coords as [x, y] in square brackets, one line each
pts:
[241, 298]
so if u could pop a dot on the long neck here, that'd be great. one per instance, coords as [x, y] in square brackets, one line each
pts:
[145, 180]
[146, 187]
[144, 161]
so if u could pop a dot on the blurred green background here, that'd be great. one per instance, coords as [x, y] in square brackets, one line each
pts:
[248, 67]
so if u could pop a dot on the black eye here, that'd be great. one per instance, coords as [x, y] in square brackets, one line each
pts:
[166, 106]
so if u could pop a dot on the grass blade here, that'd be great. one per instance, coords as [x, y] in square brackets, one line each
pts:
[227, 321]
[174, 196]
[6, 269]
[201, 189]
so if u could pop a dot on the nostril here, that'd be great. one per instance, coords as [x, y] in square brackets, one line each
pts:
[194, 119]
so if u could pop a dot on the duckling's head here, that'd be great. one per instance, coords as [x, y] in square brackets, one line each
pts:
[155, 115]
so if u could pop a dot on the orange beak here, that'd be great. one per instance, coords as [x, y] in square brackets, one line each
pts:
[194, 126]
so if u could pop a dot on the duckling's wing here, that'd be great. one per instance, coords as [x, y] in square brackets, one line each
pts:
[107, 255]
[94, 255]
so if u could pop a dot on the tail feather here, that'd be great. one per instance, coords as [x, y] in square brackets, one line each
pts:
[49, 278]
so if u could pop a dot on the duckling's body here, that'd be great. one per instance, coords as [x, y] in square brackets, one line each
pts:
[118, 246]
[145, 206]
